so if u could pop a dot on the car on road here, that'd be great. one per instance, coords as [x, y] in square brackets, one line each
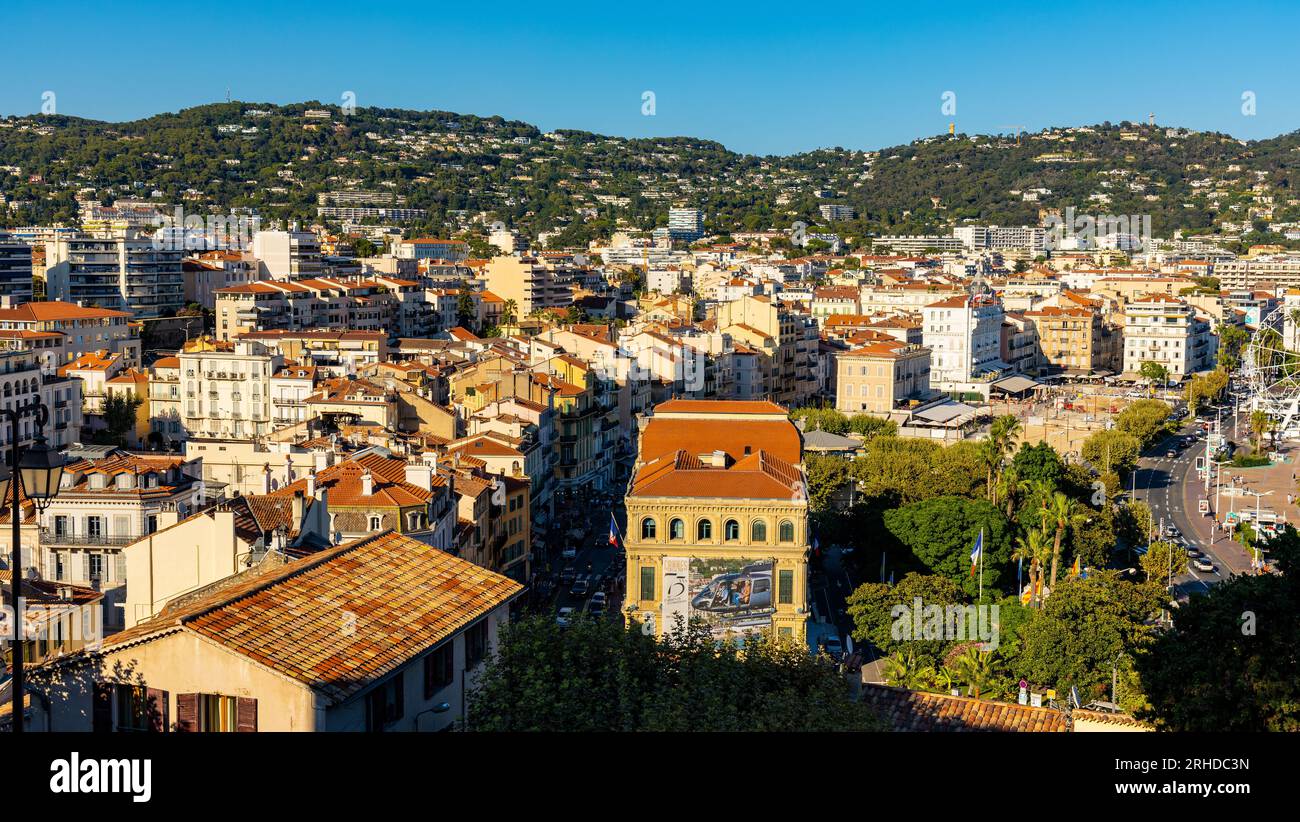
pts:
[565, 617]
[832, 647]
[596, 606]
[1193, 553]
[570, 552]
[580, 586]
[1204, 566]
[1171, 454]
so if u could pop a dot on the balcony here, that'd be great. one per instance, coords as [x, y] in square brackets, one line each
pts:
[50, 538]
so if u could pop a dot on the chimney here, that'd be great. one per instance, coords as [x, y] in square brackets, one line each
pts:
[295, 522]
[266, 478]
[367, 483]
[419, 474]
[311, 482]
[323, 459]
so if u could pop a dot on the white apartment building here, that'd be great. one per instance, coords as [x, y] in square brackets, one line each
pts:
[1159, 328]
[124, 272]
[108, 499]
[964, 335]
[1282, 270]
[287, 255]
[685, 223]
[227, 394]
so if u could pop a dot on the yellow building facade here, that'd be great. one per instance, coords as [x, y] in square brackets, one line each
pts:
[717, 520]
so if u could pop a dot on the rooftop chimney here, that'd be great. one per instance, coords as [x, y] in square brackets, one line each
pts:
[367, 483]
[297, 510]
[419, 474]
[311, 482]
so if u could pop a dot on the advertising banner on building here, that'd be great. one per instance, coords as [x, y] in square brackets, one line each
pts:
[677, 599]
[732, 595]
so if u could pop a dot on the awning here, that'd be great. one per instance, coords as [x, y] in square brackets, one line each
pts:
[1015, 385]
[945, 412]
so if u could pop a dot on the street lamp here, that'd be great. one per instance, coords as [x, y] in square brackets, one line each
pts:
[37, 471]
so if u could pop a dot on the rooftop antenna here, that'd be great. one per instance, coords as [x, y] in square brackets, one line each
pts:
[1018, 129]
[227, 94]
[1151, 118]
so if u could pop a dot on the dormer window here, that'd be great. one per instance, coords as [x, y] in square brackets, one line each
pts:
[96, 482]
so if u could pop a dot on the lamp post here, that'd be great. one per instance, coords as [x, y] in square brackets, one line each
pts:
[35, 470]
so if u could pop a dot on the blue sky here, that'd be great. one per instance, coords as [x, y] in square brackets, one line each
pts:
[758, 77]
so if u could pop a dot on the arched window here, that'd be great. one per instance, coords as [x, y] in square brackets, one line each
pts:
[704, 530]
[647, 528]
[758, 531]
[731, 530]
[677, 529]
[787, 531]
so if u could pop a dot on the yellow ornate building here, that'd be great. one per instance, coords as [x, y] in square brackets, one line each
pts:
[717, 519]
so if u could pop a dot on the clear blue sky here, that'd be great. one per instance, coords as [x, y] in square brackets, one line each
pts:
[758, 77]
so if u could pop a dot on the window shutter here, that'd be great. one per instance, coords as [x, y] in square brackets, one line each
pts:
[102, 710]
[187, 713]
[246, 715]
[157, 704]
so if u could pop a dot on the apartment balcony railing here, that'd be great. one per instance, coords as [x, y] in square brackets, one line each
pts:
[49, 537]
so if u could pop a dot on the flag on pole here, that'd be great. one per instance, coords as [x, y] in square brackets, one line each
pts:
[975, 555]
[613, 530]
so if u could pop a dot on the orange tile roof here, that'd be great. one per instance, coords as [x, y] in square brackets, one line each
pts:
[406, 597]
[389, 488]
[719, 407]
[667, 436]
[54, 310]
[680, 474]
[904, 710]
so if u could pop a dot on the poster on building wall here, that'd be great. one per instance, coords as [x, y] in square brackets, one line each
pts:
[676, 600]
[732, 595]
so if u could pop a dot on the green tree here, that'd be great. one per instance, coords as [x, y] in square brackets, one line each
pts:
[1144, 419]
[870, 427]
[1062, 514]
[872, 606]
[826, 475]
[1153, 372]
[941, 533]
[1163, 560]
[1229, 661]
[1112, 450]
[1083, 628]
[119, 412]
[1036, 547]
[596, 675]
[1038, 463]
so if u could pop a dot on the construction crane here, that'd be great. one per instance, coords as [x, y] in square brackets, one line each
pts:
[1018, 130]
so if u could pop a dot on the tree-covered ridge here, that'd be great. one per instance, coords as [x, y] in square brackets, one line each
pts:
[277, 160]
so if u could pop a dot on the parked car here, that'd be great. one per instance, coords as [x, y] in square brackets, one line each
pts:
[832, 646]
[1204, 566]
[565, 617]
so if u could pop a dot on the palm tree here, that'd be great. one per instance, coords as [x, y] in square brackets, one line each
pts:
[1008, 484]
[946, 677]
[509, 313]
[1062, 512]
[1036, 548]
[976, 669]
[905, 671]
[1260, 424]
[1002, 433]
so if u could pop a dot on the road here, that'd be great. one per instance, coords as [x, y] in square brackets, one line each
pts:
[595, 556]
[1172, 489]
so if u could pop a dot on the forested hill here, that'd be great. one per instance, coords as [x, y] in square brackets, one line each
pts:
[277, 159]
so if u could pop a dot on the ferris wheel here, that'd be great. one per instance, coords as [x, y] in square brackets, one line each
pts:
[1271, 371]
